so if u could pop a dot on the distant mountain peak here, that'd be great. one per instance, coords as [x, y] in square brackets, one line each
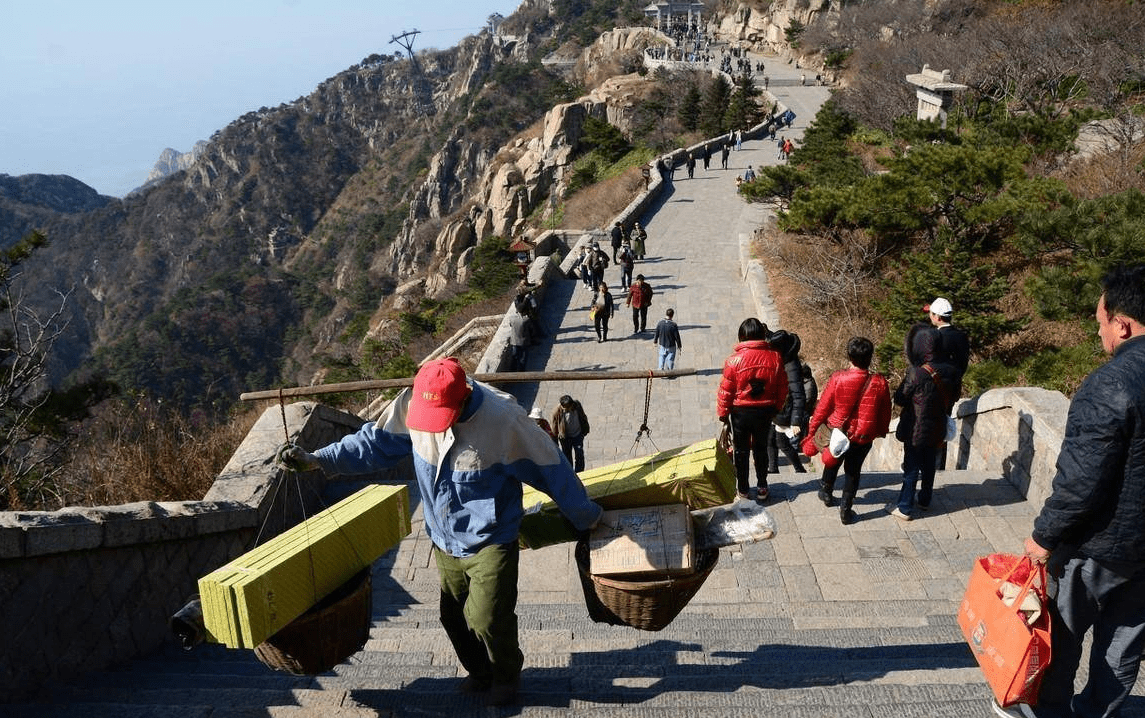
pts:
[171, 161]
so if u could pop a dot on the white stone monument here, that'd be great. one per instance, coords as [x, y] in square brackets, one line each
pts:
[935, 93]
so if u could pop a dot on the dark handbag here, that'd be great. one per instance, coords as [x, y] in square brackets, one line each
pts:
[724, 440]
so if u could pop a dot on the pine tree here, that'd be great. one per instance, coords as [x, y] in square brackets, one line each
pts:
[743, 108]
[689, 112]
[714, 109]
[945, 270]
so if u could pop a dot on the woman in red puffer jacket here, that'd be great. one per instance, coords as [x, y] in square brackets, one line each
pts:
[753, 389]
[858, 402]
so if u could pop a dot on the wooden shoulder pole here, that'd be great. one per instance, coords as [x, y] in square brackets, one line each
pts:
[498, 378]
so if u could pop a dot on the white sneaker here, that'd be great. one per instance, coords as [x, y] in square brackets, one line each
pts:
[897, 513]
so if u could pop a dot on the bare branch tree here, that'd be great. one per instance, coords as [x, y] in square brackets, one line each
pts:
[1041, 59]
[836, 275]
[28, 448]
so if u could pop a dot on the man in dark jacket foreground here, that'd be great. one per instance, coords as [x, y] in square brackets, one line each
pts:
[1090, 529]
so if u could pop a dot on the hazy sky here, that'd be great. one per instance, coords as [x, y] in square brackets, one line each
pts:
[97, 90]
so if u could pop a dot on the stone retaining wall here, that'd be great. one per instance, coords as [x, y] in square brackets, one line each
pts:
[1015, 431]
[85, 588]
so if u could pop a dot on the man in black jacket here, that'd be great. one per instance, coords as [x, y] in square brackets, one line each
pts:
[1090, 530]
[617, 235]
[955, 342]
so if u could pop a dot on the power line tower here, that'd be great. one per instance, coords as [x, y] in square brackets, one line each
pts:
[420, 85]
[406, 40]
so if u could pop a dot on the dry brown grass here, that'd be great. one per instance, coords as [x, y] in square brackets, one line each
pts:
[595, 207]
[1106, 174]
[137, 452]
[823, 329]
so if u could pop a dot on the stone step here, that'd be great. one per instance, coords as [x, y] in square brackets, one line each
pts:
[168, 710]
[659, 700]
[206, 692]
[667, 698]
[788, 663]
[794, 662]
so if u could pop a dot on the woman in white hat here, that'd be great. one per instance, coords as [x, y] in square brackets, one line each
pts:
[538, 416]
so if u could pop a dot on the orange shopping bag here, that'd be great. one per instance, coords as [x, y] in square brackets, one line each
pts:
[1000, 619]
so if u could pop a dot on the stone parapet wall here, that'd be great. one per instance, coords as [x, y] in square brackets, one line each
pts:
[498, 353]
[84, 588]
[1016, 431]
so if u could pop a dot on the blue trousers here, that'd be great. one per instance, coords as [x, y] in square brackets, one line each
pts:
[918, 463]
[667, 358]
[1106, 597]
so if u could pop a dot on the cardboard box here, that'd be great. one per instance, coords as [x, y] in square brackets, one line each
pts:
[699, 476]
[252, 597]
[638, 542]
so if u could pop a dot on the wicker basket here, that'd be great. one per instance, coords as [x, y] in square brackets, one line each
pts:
[649, 604]
[327, 634]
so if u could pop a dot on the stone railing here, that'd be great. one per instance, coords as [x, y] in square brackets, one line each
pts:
[1016, 431]
[84, 588]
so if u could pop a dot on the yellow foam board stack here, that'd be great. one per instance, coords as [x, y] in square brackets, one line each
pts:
[252, 597]
[699, 476]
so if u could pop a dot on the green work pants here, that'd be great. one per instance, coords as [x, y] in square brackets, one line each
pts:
[478, 611]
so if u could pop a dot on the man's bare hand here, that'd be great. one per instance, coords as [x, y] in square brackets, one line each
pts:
[1036, 553]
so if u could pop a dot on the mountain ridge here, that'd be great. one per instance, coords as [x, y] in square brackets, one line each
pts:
[237, 223]
[28, 200]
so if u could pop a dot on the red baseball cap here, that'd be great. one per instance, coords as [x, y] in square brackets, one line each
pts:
[439, 392]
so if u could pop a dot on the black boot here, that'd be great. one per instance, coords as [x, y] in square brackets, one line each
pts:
[846, 515]
[825, 493]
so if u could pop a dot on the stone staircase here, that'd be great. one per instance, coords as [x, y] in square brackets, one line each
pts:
[706, 663]
[824, 620]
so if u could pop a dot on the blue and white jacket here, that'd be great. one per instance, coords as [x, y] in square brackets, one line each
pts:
[470, 475]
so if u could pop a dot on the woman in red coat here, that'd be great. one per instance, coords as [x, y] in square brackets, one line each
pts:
[753, 389]
[858, 402]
